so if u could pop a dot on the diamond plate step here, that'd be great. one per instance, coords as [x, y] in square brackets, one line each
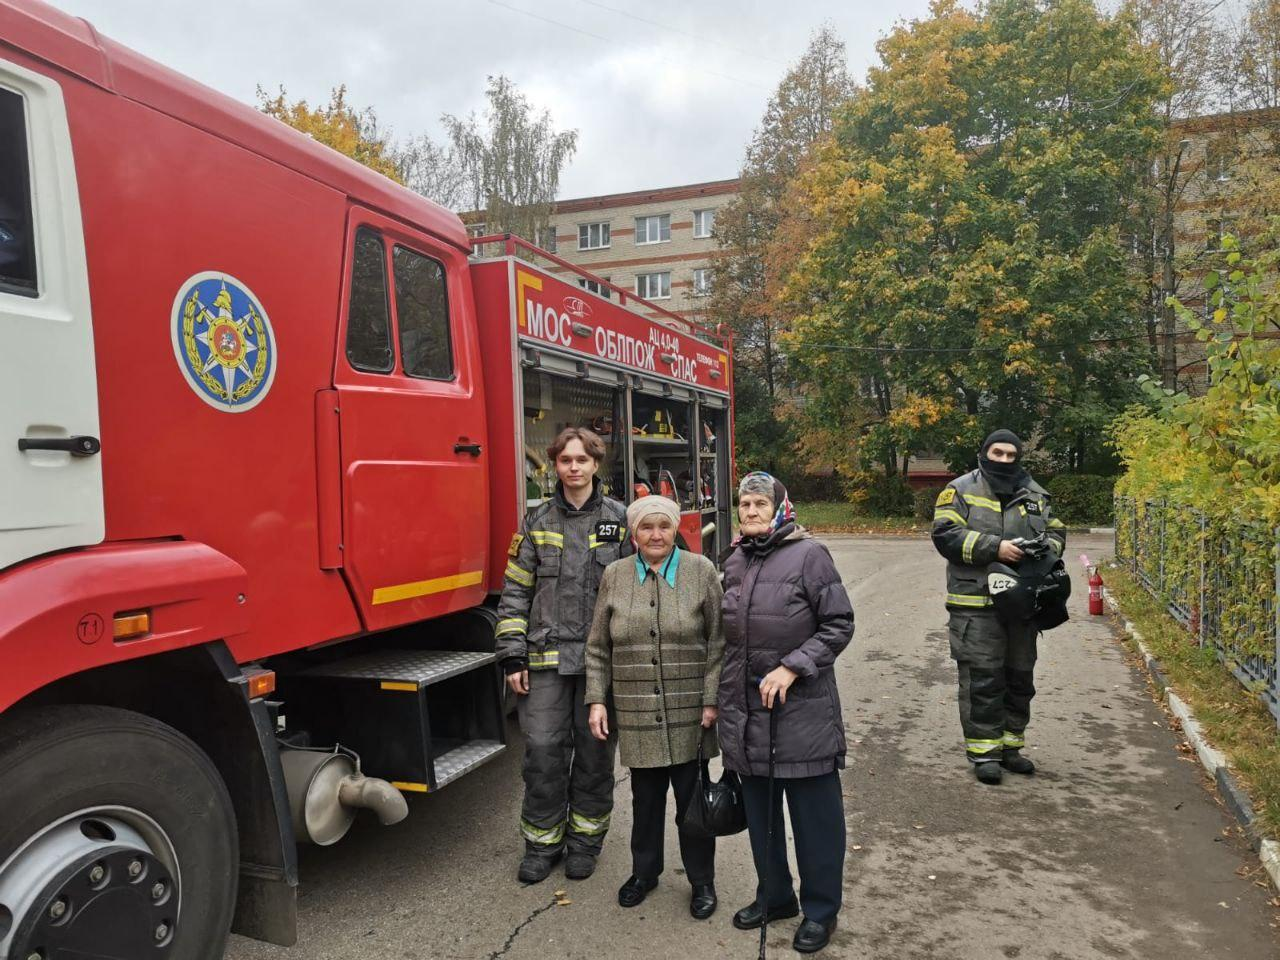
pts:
[463, 759]
[421, 667]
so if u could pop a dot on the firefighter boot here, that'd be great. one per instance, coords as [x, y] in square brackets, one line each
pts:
[579, 865]
[536, 867]
[988, 771]
[1015, 762]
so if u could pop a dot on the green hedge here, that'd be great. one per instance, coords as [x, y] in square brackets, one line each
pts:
[926, 498]
[1082, 500]
[887, 497]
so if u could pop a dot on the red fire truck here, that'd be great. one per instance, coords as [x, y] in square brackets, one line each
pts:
[267, 426]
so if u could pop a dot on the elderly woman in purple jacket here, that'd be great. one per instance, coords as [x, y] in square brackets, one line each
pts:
[786, 619]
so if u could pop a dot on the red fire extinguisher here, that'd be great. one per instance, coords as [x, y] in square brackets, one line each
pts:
[1095, 592]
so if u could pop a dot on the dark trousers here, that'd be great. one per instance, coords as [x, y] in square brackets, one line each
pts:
[568, 773]
[995, 662]
[817, 822]
[649, 810]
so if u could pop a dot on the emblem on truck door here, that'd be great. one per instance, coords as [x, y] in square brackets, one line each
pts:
[223, 341]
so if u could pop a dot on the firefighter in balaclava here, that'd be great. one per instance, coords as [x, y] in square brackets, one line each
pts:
[976, 520]
[548, 597]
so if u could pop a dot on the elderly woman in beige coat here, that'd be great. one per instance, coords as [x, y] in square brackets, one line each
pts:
[656, 645]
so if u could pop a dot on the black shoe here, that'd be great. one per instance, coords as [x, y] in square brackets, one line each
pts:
[813, 936]
[704, 901]
[988, 771]
[579, 866]
[750, 917]
[633, 892]
[536, 867]
[1015, 762]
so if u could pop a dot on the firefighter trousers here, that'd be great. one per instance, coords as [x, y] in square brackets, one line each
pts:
[996, 661]
[568, 773]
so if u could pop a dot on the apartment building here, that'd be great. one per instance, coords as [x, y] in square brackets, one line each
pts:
[656, 244]
[1226, 163]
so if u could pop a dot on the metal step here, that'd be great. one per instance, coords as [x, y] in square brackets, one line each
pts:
[419, 667]
[418, 718]
[464, 758]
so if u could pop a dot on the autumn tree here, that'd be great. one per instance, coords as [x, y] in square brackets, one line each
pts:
[758, 254]
[337, 124]
[512, 157]
[971, 269]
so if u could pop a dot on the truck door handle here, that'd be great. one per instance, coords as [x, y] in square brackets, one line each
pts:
[471, 448]
[76, 446]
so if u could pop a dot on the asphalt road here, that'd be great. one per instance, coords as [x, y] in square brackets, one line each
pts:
[1115, 849]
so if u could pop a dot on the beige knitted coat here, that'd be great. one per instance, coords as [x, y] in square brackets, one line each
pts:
[659, 649]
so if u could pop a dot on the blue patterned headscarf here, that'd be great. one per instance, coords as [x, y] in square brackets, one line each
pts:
[764, 484]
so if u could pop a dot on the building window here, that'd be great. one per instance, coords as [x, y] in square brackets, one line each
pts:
[422, 311]
[545, 237]
[595, 286]
[593, 236]
[653, 229]
[654, 286]
[476, 230]
[17, 238]
[704, 221]
[1218, 160]
[369, 316]
[1215, 230]
[702, 281]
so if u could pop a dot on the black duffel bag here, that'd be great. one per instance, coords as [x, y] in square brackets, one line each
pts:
[716, 809]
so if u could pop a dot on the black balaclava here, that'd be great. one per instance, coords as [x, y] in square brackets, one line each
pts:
[1005, 478]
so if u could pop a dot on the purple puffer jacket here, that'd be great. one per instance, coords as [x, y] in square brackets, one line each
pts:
[783, 604]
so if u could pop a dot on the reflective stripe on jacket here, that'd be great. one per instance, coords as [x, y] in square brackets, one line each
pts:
[549, 588]
[969, 522]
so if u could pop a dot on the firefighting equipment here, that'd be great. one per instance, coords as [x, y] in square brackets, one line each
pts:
[995, 656]
[1035, 589]
[1095, 592]
[988, 772]
[969, 522]
[1015, 762]
[568, 773]
[553, 570]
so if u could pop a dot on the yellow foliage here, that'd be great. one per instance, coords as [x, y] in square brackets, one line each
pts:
[337, 125]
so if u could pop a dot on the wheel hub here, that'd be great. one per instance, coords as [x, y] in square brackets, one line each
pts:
[94, 886]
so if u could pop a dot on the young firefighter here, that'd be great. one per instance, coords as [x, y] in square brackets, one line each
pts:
[554, 571]
[975, 521]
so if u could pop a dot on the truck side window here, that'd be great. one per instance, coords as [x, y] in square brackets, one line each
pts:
[422, 308]
[17, 238]
[369, 319]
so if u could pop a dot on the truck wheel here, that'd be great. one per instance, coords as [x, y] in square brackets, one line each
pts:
[118, 839]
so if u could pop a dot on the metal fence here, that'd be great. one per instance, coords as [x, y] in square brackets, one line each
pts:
[1220, 580]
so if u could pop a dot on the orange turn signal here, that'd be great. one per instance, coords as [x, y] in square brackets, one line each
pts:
[261, 683]
[128, 626]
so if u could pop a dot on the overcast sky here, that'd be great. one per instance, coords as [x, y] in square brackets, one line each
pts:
[662, 92]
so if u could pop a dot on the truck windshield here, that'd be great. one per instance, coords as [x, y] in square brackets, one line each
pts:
[17, 238]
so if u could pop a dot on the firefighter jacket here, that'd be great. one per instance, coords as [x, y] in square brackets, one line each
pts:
[554, 568]
[969, 521]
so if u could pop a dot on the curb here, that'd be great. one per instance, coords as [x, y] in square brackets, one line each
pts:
[1233, 795]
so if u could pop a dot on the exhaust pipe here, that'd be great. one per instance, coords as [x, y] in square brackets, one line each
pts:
[326, 788]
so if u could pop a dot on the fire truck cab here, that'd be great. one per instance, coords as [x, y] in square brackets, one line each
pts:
[268, 422]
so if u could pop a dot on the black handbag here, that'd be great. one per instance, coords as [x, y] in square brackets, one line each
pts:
[716, 809]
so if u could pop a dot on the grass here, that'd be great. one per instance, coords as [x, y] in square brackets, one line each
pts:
[1236, 721]
[829, 517]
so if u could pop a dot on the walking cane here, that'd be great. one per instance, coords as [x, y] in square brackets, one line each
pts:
[768, 845]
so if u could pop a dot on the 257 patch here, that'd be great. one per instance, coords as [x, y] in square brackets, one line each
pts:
[1033, 507]
[610, 531]
[946, 496]
[514, 549]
